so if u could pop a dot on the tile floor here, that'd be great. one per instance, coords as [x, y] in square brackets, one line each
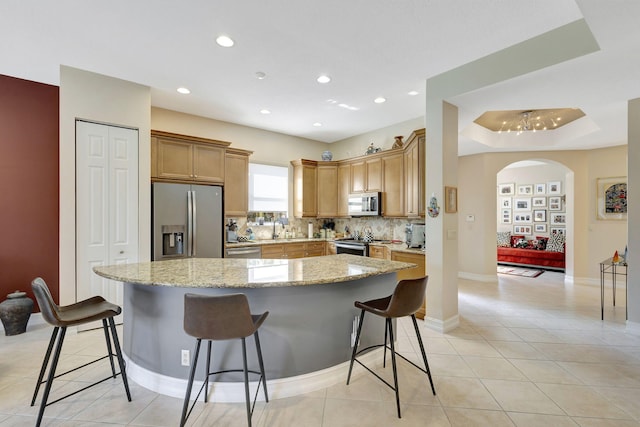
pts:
[528, 352]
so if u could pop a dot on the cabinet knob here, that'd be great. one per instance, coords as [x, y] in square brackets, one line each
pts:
[121, 252]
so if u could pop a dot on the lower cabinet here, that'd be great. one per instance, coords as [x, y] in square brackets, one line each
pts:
[292, 250]
[412, 273]
[330, 248]
[376, 251]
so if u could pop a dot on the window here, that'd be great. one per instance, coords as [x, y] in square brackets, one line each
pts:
[268, 188]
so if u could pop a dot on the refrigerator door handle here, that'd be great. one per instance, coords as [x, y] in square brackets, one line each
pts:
[194, 224]
[189, 223]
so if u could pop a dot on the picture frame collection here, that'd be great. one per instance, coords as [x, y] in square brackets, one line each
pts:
[532, 208]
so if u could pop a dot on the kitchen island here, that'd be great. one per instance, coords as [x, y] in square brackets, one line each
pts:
[306, 340]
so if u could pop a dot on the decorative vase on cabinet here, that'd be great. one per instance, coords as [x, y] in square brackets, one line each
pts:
[327, 155]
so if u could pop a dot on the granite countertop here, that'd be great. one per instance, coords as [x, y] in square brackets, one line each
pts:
[250, 273]
[391, 244]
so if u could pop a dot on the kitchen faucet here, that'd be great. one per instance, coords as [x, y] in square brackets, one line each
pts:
[282, 220]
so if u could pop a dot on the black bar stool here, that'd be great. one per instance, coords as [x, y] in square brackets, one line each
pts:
[215, 318]
[61, 317]
[405, 301]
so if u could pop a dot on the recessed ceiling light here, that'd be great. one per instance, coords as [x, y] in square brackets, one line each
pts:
[379, 100]
[412, 93]
[260, 75]
[224, 41]
[184, 90]
[265, 111]
[317, 124]
[323, 79]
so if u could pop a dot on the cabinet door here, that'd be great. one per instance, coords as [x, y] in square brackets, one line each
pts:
[208, 164]
[358, 177]
[175, 160]
[412, 273]
[314, 249]
[327, 191]
[236, 185]
[330, 248]
[422, 185]
[294, 250]
[344, 188]
[304, 189]
[374, 174]
[376, 251]
[273, 251]
[393, 191]
[412, 178]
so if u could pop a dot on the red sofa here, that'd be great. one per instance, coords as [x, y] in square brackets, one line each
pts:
[531, 258]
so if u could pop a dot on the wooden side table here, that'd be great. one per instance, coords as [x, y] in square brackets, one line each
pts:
[614, 268]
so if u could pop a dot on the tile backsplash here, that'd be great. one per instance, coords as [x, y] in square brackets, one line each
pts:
[383, 228]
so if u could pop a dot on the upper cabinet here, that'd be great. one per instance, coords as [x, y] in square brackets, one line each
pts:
[304, 188]
[366, 174]
[393, 184]
[414, 172]
[327, 189]
[344, 188]
[236, 182]
[184, 158]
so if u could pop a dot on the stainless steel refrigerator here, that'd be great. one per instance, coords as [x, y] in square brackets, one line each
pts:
[186, 221]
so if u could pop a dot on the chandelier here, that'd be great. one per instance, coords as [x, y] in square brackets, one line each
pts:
[531, 121]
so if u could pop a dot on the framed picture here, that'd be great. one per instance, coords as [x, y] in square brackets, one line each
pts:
[506, 189]
[505, 202]
[522, 217]
[612, 198]
[540, 188]
[505, 216]
[521, 229]
[553, 187]
[539, 215]
[558, 219]
[558, 230]
[540, 228]
[525, 190]
[555, 203]
[539, 202]
[450, 199]
[522, 203]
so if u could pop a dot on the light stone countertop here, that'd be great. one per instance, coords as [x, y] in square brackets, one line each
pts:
[250, 273]
[397, 247]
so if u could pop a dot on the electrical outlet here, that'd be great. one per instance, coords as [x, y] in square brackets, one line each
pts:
[185, 358]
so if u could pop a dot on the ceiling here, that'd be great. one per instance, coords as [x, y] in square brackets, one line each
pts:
[370, 48]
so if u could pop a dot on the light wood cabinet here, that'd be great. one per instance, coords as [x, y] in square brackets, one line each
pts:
[393, 184]
[182, 158]
[293, 250]
[330, 248]
[344, 188]
[366, 174]
[327, 189]
[304, 188]
[236, 182]
[413, 273]
[376, 251]
[414, 166]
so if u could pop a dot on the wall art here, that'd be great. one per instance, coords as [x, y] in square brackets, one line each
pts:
[612, 198]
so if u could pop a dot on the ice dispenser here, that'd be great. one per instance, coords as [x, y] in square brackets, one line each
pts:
[172, 240]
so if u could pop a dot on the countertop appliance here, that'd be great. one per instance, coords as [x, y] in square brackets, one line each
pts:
[187, 221]
[415, 235]
[364, 204]
[244, 252]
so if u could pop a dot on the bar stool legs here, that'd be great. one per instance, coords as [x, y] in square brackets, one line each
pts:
[186, 411]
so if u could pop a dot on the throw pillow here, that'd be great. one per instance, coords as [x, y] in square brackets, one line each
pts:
[522, 244]
[504, 239]
[541, 243]
[515, 240]
[556, 243]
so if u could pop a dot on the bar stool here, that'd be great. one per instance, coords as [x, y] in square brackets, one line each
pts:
[405, 301]
[216, 318]
[61, 317]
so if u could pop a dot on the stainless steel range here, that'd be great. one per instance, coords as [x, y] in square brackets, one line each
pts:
[352, 246]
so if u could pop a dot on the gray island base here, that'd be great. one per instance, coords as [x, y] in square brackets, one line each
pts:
[306, 340]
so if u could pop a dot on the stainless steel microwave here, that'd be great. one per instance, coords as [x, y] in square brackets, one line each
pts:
[364, 204]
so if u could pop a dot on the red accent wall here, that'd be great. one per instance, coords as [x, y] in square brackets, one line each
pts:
[29, 185]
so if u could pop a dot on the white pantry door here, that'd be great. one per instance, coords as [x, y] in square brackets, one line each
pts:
[106, 206]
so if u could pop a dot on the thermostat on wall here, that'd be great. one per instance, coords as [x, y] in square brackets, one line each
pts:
[471, 218]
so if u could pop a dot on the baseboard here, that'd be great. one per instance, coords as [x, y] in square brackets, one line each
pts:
[489, 278]
[442, 326]
[234, 391]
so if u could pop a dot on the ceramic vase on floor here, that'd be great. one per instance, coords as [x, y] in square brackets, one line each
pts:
[15, 312]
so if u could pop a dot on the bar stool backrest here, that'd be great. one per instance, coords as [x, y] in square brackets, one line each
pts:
[218, 317]
[407, 298]
[48, 307]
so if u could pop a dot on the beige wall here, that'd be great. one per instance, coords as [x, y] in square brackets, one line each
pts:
[270, 148]
[383, 138]
[94, 97]
[588, 241]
